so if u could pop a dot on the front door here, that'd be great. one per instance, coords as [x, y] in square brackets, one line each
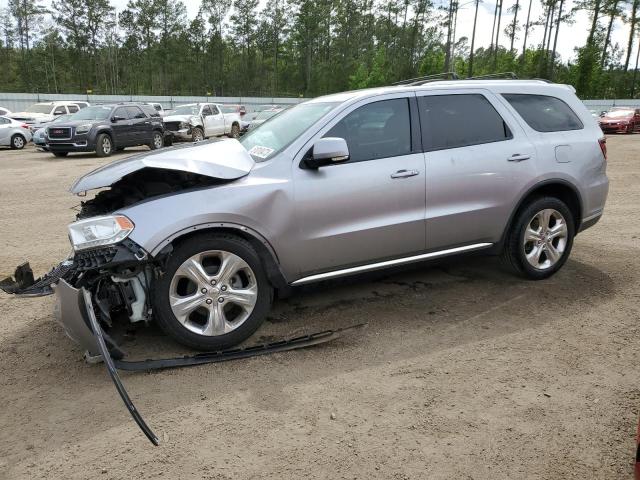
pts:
[479, 162]
[371, 207]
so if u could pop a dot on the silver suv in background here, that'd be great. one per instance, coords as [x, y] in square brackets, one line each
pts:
[200, 238]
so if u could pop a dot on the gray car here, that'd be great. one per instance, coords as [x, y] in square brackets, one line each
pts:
[200, 238]
[13, 133]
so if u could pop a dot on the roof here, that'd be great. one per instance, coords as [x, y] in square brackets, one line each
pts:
[511, 86]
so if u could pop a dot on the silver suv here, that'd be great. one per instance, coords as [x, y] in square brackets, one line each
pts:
[201, 237]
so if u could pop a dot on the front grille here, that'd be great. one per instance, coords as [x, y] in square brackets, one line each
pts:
[172, 126]
[59, 133]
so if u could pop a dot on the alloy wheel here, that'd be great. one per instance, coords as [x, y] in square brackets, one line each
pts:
[545, 239]
[157, 140]
[213, 293]
[18, 142]
[106, 145]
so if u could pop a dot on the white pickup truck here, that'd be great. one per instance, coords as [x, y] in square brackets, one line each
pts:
[197, 121]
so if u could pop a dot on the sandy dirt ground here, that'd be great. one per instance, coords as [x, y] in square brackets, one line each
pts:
[464, 372]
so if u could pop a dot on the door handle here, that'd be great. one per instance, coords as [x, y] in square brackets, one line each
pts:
[405, 173]
[516, 157]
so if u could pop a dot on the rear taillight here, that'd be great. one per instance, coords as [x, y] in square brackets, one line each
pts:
[603, 146]
[24, 125]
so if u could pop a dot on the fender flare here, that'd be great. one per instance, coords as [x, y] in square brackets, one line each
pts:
[272, 265]
[529, 191]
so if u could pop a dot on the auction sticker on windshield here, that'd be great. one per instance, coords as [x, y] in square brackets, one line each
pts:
[260, 151]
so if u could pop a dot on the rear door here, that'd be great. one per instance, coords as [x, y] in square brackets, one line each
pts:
[371, 207]
[122, 128]
[213, 120]
[140, 125]
[478, 162]
[5, 127]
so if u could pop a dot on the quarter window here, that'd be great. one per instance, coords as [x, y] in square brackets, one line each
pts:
[376, 130]
[450, 121]
[544, 113]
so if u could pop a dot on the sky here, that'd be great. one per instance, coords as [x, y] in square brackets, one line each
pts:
[569, 37]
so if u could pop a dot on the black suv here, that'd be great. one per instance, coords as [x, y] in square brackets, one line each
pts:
[105, 128]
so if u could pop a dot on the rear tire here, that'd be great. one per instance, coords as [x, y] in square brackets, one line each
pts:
[235, 131]
[194, 299]
[60, 154]
[540, 239]
[104, 145]
[156, 141]
[18, 142]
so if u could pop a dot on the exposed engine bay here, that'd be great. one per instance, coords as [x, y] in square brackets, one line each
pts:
[141, 185]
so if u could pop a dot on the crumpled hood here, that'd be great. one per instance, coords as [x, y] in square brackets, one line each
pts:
[178, 118]
[224, 159]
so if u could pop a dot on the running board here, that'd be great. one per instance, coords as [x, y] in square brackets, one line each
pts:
[389, 263]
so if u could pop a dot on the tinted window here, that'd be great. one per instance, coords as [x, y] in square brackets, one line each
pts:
[150, 110]
[135, 112]
[450, 121]
[543, 113]
[377, 130]
[121, 112]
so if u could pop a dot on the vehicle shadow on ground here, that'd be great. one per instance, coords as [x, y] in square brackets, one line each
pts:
[409, 313]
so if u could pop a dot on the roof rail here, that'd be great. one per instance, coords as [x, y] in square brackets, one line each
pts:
[510, 75]
[428, 78]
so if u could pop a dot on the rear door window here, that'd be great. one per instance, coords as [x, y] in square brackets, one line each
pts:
[72, 108]
[135, 112]
[376, 130]
[544, 113]
[451, 121]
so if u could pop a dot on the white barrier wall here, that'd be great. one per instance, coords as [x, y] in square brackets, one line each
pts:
[19, 101]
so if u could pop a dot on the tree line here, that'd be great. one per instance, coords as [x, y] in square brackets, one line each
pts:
[302, 47]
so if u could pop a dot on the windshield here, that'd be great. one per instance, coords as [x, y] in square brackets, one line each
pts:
[92, 113]
[40, 108]
[186, 110]
[278, 132]
[61, 118]
[619, 113]
[265, 114]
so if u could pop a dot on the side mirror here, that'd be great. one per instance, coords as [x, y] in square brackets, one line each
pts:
[117, 118]
[328, 151]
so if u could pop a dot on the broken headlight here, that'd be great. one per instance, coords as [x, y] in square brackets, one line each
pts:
[99, 231]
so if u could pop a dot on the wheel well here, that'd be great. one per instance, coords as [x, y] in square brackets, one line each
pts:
[559, 190]
[18, 134]
[267, 258]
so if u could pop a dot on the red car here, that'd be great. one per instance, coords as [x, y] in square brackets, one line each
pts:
[620, 120]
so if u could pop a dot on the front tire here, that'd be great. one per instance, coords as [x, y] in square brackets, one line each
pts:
[104, 145]
[197, 135]
[540, 239]
[18, 142]
[214, 292]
